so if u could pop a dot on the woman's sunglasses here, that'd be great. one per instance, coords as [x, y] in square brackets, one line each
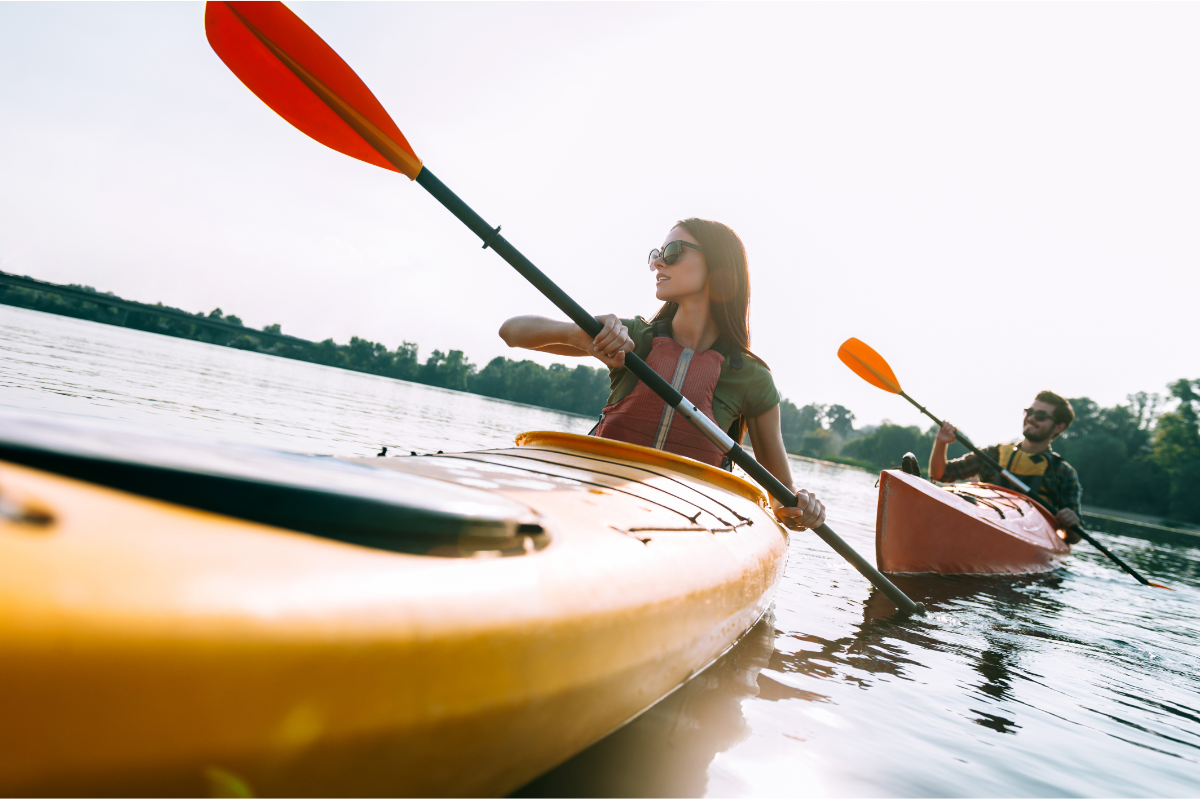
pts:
[671, 252]
[1039, 415]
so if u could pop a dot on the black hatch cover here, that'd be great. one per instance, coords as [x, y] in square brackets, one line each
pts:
[320, 495]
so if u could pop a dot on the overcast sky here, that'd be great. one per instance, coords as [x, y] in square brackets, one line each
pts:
[999, 198]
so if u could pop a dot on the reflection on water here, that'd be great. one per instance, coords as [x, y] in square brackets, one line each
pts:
[1079, 682]
[997, 660]
[667, 750]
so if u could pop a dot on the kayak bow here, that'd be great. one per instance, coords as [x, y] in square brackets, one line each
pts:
[502, 609]
[972, 529]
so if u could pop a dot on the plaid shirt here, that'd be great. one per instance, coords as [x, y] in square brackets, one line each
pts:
[1060, 485]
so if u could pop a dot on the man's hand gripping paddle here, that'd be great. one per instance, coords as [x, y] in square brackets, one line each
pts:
[872, 368]
[301, 78]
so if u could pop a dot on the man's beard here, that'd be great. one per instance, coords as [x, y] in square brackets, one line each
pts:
[1037, 438]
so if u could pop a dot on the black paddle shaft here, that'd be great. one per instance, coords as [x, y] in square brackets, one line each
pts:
[961, 438]
[1092, 541]
[491, 238]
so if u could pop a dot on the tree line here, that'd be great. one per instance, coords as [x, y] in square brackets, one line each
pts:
[1141, 456]
[581, 390]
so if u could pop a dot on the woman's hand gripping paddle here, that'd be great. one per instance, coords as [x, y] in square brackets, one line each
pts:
[872, 368]
[302, 79]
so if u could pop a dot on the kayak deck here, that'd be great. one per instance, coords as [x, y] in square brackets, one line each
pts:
[968, 529]
[157, 649]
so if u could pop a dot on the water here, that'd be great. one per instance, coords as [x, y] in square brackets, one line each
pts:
[1075, 683]
[60, 364]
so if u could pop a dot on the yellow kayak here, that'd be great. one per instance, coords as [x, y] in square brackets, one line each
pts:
[183, 621]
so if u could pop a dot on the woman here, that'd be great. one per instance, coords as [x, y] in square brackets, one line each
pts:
[699, 341]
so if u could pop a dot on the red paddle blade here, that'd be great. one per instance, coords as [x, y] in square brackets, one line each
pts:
[868, 365]
[303, 80]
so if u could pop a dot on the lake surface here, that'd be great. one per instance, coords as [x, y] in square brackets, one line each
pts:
[1079, 682]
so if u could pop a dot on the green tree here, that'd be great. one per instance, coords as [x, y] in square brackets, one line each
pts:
[819, 443]
[1110, 449]
[1177, 440]
[325, 352]
[1130, 424]
[588, 390]
[448, 370]
[404, 364]
[1141, 486]
[795, 422]
[580, 390]
[364, 356]
[1099, 459]
[492, 380]
[886, 445]
[1185, 499]
[1177, 450]
[841, 421]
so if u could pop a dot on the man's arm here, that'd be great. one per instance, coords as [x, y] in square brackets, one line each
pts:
[937, 457]
[962, 468]
[1070, 497]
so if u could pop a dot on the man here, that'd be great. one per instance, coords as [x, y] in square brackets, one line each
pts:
[1044, 471]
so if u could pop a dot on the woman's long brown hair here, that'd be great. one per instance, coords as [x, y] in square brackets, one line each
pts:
[728, 289]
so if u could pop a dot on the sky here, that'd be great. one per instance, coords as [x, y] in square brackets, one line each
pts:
[1000, 198]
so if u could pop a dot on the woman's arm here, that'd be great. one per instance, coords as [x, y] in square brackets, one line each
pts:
[568, 339]
[547, 335]
[767, 441]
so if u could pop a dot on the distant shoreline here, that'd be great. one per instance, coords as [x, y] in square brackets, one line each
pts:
[581, 391]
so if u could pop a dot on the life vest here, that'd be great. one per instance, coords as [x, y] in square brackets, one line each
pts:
[642, 417]
[1030, 468]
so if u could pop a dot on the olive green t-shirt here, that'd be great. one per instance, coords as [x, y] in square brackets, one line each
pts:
[747, 392]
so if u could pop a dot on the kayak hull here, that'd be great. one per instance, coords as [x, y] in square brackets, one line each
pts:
[155, 649]
[975, 529]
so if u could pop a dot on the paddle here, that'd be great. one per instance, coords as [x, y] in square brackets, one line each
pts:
[871, 367]
[301, 78]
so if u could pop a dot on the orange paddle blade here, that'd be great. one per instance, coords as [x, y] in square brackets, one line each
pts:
[868, 365]
[303, 80]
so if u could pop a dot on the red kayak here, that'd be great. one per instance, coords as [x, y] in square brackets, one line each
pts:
[964, 529]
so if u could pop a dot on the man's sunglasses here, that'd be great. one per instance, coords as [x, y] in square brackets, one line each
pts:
[1039, 415]
[671, 252]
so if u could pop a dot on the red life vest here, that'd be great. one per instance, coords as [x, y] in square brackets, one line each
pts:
[642, 417]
